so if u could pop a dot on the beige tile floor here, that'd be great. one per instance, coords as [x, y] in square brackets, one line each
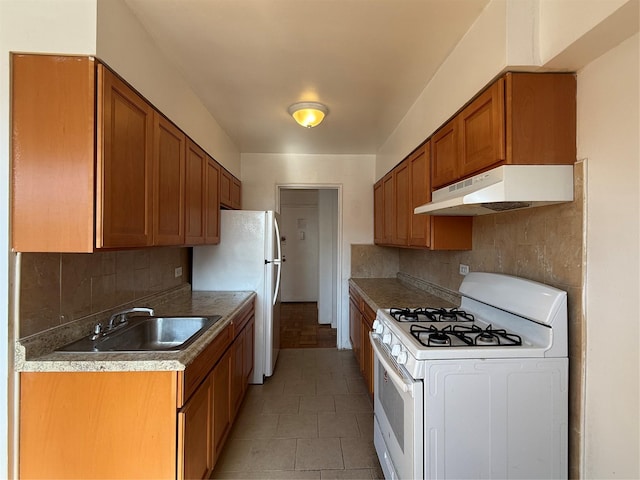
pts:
[312, 419]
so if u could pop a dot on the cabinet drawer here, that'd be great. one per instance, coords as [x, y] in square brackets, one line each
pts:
[369, 314]
[192, 376]
[357, 299]
[242, 318]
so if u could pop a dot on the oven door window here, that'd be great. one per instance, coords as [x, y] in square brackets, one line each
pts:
[393, 406]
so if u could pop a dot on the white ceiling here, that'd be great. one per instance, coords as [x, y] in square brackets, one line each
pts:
[248, 60]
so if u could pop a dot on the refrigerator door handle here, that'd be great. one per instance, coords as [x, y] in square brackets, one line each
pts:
[278, 260]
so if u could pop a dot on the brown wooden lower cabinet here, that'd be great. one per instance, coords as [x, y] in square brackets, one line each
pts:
[195, 439]
[166, 424]
[221, 378]
[361, 318]
[366, 366]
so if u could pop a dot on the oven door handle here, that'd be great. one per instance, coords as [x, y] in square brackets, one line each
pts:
[401, 381]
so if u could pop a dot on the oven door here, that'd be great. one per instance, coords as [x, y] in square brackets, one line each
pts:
[398, 416]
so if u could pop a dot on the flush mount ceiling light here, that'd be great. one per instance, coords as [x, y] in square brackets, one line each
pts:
[308, 114]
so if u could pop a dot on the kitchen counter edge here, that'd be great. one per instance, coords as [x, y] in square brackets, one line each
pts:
[381, 293]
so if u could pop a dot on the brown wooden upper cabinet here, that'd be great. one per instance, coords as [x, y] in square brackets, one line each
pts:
[520, 119]
[411, 188]
[212, 202]
[53, 153]
[196, 194]
[169, 166]
[202, 213]
[230, 190]
[95, 166]
[123, 167]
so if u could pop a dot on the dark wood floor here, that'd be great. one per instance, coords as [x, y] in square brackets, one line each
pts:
[299, 327]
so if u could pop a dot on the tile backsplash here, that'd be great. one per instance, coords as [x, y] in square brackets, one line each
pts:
[372, 261]
[57, 288]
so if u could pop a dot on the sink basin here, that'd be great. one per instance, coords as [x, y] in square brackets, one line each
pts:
[148, 334]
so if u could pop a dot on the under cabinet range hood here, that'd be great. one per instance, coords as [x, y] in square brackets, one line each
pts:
[505, 188]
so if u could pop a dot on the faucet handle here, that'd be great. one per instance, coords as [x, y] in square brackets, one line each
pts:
[97, 331]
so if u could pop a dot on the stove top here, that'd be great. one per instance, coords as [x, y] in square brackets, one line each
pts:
[451, 327]
[499, 317]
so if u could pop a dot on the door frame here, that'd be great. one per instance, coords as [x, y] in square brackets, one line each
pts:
[342, 330]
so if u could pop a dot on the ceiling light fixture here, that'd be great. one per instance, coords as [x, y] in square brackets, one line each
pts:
[308, 114]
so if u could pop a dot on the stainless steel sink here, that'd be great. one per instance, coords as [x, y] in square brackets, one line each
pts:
[148, 334]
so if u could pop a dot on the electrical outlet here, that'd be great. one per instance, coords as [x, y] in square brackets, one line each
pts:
[178, 272]
[464, 269]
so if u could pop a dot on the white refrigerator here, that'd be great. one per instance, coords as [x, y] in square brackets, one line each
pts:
[248, 257]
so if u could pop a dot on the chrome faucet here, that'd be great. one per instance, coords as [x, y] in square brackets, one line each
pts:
[120, 318]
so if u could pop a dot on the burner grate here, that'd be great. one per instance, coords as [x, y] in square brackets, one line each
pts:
[430, 315]
[466, 336]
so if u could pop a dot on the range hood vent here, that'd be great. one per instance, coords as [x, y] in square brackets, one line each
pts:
[505, 188]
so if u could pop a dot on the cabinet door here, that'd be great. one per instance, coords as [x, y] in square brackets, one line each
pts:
[221, 407]
[168, 182]
[389, 208]
[355, 327]
[67, 419]
[53, 151]
[367, 350]
[196, 162]
[236, 390]
[212, 204]
[419, 174]
[482, 131]
[540, 118]
[226, 180]
[236, 194]
[444, 155]
[378, 212]
[195, 425]
[125, 140]
[248, 349]
[402, 215]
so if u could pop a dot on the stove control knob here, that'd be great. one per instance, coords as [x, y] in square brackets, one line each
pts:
[378, 327]
[395, 350]
[402, 358]
[386, 339]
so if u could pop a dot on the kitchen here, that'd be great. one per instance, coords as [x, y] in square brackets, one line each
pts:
[607, 263]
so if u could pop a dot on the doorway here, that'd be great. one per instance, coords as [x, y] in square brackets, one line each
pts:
[310, 275]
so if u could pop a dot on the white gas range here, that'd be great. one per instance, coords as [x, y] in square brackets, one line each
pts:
[474, 392]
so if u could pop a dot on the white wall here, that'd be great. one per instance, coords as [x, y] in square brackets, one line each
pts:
[476, 60]
[354, 173]
[565, 27]
[34, 26]
[126, 47]
[608, 126]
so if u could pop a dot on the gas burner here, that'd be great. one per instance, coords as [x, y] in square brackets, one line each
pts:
[487, 338]
[428, 314]
[438, 339]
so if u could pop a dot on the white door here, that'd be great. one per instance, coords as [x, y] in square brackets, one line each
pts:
[299, 233]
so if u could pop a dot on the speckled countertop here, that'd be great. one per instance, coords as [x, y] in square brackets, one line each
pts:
[403, 291]
[37, 353]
